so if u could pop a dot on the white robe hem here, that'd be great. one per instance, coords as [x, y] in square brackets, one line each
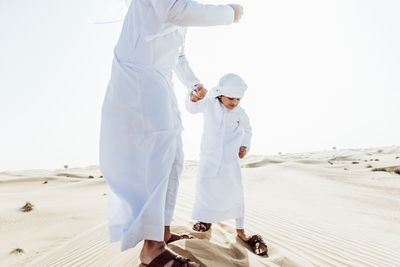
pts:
[213, 216]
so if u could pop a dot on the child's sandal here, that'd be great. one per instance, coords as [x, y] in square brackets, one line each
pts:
[258, 245]
[201, 227]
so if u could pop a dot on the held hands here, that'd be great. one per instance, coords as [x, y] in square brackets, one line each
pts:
[242, 152]
[238, 11]
[198, 94]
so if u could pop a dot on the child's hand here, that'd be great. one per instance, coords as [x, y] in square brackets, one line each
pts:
[198, 94]
[242, 152]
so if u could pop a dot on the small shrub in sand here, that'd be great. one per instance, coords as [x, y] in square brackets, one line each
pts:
[376, 159]
[380, 150]
[91, 176]
[355, 162]
[45, 182]
[27, 207]
[369, 166]
[17, 251]
[397, 157]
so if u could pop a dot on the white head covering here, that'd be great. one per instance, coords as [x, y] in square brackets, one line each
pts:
[230, 85]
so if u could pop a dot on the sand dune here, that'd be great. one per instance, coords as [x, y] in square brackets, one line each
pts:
[330, 208]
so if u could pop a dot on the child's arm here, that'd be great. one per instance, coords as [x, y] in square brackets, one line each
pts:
[245, 124]
[193, 104]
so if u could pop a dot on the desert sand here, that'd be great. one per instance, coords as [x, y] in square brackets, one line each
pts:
[329, 208]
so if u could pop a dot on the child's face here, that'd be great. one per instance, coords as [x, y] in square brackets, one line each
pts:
[230, 102]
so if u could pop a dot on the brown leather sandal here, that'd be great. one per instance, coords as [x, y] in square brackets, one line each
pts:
[201, 227]
[176, 237]
[258, 245]
[166, 257]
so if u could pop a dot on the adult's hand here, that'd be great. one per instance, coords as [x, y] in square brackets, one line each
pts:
[199, 93]
[238, 11]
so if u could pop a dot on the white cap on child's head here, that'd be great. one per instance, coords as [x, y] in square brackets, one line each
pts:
[231, 85]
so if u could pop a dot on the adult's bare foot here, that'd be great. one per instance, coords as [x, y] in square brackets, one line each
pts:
[153, 249]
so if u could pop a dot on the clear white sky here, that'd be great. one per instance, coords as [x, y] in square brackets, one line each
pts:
[320, 74]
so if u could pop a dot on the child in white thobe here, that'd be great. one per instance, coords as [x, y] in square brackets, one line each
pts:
[226, 138]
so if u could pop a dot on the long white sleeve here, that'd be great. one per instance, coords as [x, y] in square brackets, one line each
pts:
[196, 107]
[184, 71]
[191, 13]
[245, 124]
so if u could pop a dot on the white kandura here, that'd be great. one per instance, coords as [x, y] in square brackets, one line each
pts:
[141, 152]
[219, 190]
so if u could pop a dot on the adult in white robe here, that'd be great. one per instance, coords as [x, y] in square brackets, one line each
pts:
[140, 144]
[219, 190]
